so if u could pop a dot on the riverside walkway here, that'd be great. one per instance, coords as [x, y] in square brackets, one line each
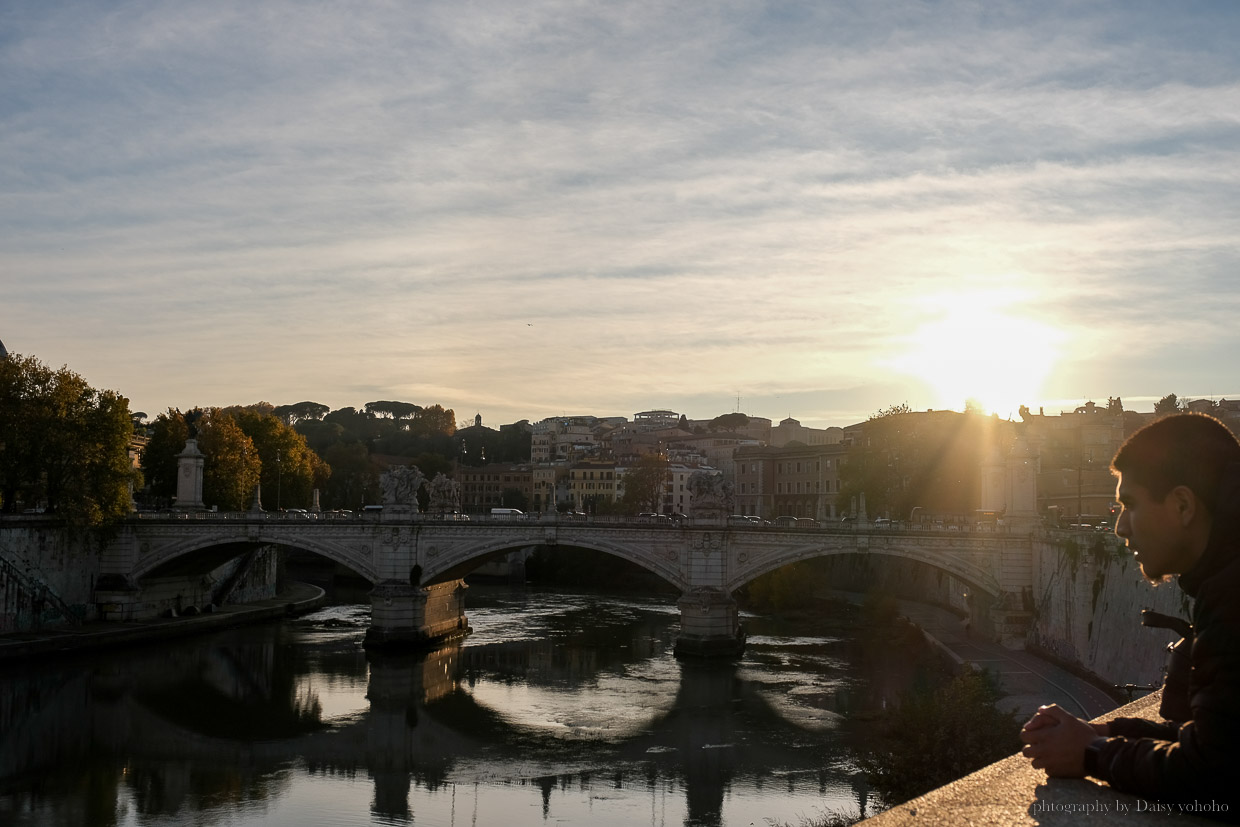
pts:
[1027, 680]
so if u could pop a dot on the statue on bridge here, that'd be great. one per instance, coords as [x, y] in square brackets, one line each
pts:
[445, 495]
[710, 495]
[400, 485]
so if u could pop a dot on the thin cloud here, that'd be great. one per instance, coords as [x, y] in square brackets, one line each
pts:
[681, 202]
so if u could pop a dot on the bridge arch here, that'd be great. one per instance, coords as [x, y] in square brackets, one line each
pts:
[212, 551]
[459, 561]
[962, 569]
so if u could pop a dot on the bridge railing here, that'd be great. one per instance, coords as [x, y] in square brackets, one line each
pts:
[659, 522]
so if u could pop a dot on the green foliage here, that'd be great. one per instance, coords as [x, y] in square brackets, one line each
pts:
[243, 445]
[354, 479]
[392, 410]
[729, 422]
[644, 483]
[63, 444]
[159, 458]
[893, 410]
[1169, 404]
[932, 460]
[514, 498]
[290, 470]
[479, 445]
[232, 465]
[292, 414]
[938, 735]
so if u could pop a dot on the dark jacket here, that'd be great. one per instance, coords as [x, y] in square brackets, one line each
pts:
[1196, 764]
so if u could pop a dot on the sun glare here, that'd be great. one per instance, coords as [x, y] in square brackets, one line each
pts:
[978, 347]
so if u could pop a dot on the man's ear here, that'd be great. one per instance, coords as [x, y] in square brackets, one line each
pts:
[1184, 500]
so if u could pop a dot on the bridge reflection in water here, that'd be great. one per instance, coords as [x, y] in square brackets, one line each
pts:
[256, 720]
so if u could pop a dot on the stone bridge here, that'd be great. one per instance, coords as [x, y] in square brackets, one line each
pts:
[416, 561]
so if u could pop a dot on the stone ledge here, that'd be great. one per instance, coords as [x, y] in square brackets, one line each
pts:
[1011, 792]
[297, 599]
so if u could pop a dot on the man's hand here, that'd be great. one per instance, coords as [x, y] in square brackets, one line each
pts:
[1056, 741]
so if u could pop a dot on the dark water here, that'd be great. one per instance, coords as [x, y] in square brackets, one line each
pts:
[560, 708]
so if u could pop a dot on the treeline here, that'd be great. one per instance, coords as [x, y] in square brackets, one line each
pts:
[244, 446]
[294, 449]
[65, 448]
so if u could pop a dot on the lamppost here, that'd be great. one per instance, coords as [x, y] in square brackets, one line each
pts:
[1080, 465]
[279, 479]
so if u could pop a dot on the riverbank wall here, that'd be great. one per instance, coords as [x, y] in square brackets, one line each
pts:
[1085, 604]
[48, 575]
[1087, 601]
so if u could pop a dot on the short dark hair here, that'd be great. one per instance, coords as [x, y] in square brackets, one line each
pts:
[1190, 449]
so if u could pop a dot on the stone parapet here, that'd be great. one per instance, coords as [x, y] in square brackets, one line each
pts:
[1012, 792]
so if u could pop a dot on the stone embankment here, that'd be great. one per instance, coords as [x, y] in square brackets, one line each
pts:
[298, 598]
[1088, 597]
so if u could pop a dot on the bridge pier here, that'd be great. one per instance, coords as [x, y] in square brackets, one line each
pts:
[403, 616]
[709, 624]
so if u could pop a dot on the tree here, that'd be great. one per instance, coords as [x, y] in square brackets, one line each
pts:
[292, 414]
[929, 459]
[938, 736]
[514, 498]
[435, 420]
[354, 479]
[729, 422]
[63, 444]
[232, 466]
[644, 482]
[392, 410]
[290, 470]
[1115, 405]
[893, 410]
[1169, 404]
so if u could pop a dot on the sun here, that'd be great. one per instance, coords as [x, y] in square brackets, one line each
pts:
[978, 346]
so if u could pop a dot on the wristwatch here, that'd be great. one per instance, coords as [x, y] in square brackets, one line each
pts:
[1093, 757]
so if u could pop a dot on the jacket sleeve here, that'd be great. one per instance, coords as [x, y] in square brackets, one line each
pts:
[1198, 763]
[1141, 728]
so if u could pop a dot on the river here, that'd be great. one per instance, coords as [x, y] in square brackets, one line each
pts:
[561, 707]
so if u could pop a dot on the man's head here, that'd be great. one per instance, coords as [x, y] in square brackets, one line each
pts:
[1169, 474]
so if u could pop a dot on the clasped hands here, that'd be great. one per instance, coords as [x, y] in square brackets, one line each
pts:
[1056, 741]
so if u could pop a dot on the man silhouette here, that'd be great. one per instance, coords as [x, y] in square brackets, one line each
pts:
[1179, 485]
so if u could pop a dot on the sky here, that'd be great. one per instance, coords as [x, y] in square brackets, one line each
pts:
[523, 210]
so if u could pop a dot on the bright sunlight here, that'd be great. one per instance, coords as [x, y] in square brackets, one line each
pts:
[976, 346]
